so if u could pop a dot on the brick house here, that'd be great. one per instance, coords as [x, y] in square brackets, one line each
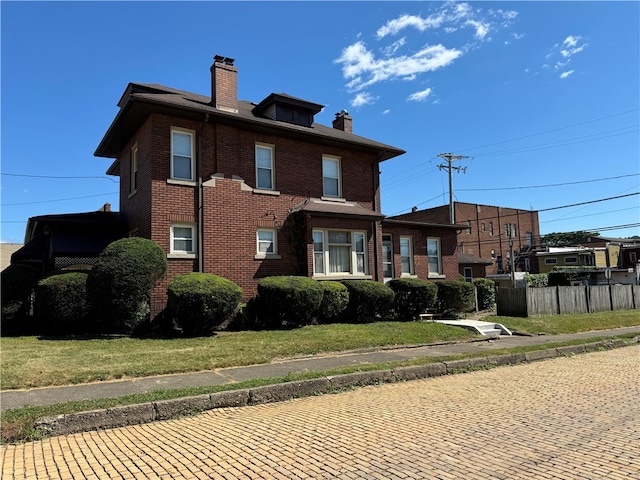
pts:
[487, 234]
[246, 190]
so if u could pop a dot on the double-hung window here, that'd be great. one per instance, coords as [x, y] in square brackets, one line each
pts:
[183, 239]
[491, 228]
[264, 167]
[434, 256]
[331, 176]
[266, 240]
[133, 181]
[338, 252]
[182, 154]
[406, 256]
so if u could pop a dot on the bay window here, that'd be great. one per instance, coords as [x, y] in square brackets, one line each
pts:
[339, 252]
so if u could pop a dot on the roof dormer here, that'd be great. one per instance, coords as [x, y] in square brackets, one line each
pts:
[284, 108]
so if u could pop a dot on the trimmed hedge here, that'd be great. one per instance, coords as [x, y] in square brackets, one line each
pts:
[17, 283]
[61, 304]
[120, 283]
[369, 301]
[454, 297]
[536, 279]
[335, 300]
[200, 302]
[486, 293]
[288, 301]
[412, 297]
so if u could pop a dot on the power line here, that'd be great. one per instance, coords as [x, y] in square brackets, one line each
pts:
[551, 131]
[549, 185]
[59, 199]
[56, 177]
[585, 203]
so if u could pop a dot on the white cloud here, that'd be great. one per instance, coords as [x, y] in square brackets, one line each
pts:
[482, 28]
[387, 111]
[362, 98]
[394, 47]
[420, 96]
[566, 74]
[564, 52]
[363, 69]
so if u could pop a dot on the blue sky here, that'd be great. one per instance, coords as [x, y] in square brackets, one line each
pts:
[542, 98]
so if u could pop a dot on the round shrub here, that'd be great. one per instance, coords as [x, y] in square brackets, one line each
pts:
[120, 283]
[412, 297]
[288, 300]
[334, 301]
[61, 302]
[454, 297]
[17, 283]
[486, 293]
[369, 301]
[200, 302]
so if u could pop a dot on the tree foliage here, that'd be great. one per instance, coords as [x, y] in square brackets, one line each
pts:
[565, 239]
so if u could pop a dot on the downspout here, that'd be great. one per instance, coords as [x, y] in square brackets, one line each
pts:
[375, 169]
[201, 202]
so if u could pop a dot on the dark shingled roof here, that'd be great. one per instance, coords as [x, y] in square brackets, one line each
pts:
[139, 100]
[328, 208]
[470, 259]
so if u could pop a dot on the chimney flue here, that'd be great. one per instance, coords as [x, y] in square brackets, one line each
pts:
[224, 84]
[343, 121]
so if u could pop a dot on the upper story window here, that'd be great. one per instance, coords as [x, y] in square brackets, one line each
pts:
[133, 181]
[529, 238]
[331, 185]
[434, 255]
[406, 255]
[632, 257]
[514, 232]
[491, 228]
[264, 167]
[182, 154]
[468, 227]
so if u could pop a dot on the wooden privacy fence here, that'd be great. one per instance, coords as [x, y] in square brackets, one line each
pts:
[531, 302]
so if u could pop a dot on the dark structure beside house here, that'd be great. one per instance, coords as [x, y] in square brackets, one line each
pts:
[61, 241]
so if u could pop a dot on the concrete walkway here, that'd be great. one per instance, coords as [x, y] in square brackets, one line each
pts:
[111, 389]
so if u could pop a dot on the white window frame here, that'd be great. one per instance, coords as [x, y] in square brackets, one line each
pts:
[354, 253]
[468, 274]
[387, 241]
[272, 170]
[469, 227]
[409, 244]
[133, 170]
[551, 261]
[274, 242]
[173, 238]
[527, 264]
[439, 273]
[191, 135]
[571, 260]
[337, 161]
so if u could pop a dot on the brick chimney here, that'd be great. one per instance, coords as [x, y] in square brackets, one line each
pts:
[224, 84]
[343, 121]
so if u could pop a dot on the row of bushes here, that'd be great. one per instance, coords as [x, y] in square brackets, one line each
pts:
[113, 297]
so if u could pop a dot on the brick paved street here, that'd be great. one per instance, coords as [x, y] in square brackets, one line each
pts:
[567, 418]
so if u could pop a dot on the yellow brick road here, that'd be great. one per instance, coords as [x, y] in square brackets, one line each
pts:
[568, 418]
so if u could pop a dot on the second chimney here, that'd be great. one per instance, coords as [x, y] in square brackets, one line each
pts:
[343, 121]
[224, 84]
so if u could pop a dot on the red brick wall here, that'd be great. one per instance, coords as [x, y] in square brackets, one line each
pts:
[232, 213]
[480, 242]
[419, 238]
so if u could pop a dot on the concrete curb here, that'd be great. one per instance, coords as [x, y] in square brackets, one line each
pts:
[167, 409]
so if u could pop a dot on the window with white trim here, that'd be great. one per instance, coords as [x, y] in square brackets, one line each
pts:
[527, 265]
[468, 274]
[434, 256]
[183, 240]
[550, 261]
[264, 167]
[182, 154]
[468, 227]
[339, 252]
[570, 260]
[331, 177]
[406, 255]
[133, 180]
[266, 239]
[387, 257]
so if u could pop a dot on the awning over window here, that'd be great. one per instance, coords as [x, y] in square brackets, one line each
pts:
[327, 208]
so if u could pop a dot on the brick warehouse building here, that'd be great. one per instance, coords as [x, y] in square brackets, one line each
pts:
[488, 232]
[246, 190]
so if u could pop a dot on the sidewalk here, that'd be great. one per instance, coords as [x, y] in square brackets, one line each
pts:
[118, 388]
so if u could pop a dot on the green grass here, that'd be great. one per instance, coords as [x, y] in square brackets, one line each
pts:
[29, 362]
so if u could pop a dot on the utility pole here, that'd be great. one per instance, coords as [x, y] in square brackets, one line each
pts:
[450, 158]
